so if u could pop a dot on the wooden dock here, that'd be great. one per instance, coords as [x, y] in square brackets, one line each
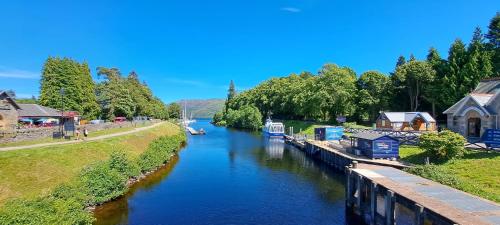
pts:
[379, 194]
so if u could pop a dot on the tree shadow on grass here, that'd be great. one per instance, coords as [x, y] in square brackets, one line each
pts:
[474, 154]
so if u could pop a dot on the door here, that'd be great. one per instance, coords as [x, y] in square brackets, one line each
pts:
[474, 127]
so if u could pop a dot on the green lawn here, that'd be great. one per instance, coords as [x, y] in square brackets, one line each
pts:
[478, 172]
[34, 172]
[51, 140]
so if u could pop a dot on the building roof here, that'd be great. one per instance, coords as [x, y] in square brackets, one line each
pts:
[8, 97]
[488, 86]
[485, 92]
[396, 117]
[35, 110]
[369, 136]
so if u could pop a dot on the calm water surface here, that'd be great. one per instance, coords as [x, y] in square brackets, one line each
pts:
[233, 177]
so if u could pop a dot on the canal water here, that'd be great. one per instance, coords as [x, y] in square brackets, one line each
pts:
[233, 177]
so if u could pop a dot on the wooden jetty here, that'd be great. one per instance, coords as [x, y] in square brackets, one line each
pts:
[378, 192]
[192, 131]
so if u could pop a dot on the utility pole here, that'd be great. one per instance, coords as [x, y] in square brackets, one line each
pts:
[61, 91]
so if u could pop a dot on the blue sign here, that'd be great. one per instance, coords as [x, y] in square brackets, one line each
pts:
[382, 146]
[491, 138]
[334, 133]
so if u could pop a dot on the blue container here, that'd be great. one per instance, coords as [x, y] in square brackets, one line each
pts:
[377, 145]
[328, 133]
[491, 138]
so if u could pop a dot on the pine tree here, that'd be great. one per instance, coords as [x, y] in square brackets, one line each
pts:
[478, 65]
[77, 83]
[493, 37]
[231, 93]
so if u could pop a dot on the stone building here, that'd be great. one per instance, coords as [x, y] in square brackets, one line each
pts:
[476, 112]
[8, 112]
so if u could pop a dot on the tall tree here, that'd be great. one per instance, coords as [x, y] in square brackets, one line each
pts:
[114, 95]
[75, 79]
[434, 90]
[337, 87]
[416, 75]
[174, 111]
[231, 93]
[493, 37]
[478, 65]
[373, 94]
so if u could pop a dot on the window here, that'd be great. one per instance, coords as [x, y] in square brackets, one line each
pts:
[383, 123]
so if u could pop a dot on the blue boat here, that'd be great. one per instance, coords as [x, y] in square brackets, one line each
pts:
[273, 129]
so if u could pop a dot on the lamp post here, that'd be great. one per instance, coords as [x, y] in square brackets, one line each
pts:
[61, 92]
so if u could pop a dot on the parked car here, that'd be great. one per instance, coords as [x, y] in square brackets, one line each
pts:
[120, 119]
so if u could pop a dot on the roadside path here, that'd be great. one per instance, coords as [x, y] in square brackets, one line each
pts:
[135, 130]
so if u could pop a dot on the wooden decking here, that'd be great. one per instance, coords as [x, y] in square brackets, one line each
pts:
[452, 204]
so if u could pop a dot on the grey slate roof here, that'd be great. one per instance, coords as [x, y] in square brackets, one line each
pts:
[400, 117]
[368, 136]
[488, 86]
[484, 93]
[34, 110]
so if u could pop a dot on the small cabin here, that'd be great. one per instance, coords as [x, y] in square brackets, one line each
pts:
[406, 121]
[328, 133]
[375, 146]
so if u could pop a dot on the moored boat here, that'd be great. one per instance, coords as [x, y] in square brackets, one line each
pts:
[273, 129]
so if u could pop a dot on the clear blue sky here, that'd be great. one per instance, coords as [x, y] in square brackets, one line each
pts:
[191, 49]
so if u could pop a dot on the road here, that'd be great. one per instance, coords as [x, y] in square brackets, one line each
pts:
[135, 130]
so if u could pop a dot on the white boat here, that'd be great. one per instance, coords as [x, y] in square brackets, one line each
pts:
[273, 129]
[185, 120]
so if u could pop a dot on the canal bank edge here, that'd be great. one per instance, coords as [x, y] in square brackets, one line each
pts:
[100, 182]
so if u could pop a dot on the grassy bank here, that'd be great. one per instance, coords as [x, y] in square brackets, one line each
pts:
[56, 185]
[477, 172]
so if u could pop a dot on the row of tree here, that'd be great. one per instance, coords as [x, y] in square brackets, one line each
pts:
[432, 85]
[69, 84]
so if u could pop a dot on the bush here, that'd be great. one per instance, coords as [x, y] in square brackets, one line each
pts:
[47, 210]
[160, 151]
[443, 145]
[103, 183]
[218, 118]
[247, 117]
[435, 173]
[119, 162]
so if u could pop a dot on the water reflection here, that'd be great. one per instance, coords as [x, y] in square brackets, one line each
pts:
[116, 212]
[234, 177]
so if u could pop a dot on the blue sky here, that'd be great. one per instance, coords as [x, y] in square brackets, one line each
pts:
[191, 49]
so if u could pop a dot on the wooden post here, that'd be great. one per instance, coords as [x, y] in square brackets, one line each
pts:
[373, 203]
[348, 187]
[419, 214]
[389, 207]
[359, 191]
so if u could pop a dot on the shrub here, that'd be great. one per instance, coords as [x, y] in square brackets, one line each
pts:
[218, 118]
[47, 210]
[435, 173]
[159, 151]
[443, 145]
[102, 183]
[248, 117]
[119, 162]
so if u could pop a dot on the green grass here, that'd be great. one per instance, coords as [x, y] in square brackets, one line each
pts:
[477, 172]
[52, 140]
[35, 172]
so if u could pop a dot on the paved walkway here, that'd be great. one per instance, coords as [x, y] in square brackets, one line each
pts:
[460, 207]
[79, 141]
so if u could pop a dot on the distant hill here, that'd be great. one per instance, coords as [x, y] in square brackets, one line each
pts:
[203, 108]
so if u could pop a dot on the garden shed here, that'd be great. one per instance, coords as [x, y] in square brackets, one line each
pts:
[374, 145]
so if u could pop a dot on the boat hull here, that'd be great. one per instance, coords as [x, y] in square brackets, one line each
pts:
[273, 134]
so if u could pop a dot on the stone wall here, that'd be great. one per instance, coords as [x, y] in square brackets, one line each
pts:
[45, 132]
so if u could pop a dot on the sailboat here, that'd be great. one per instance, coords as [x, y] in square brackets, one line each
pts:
[185, 120]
